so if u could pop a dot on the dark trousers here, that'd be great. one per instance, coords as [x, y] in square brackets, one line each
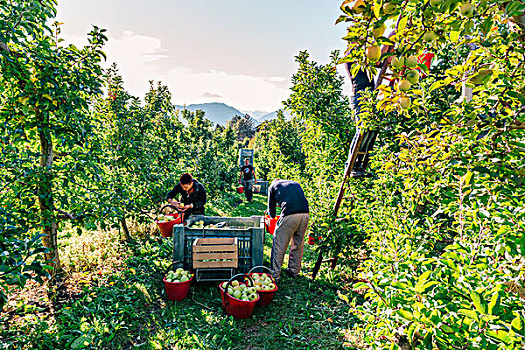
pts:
[248, 189]
[360, 82]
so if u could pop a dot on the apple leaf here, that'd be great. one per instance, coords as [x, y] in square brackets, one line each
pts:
[517, 325]
[454, 36]
[478, 302]
[405, 314]
[494, 304]
[469, 313]
[402, 24]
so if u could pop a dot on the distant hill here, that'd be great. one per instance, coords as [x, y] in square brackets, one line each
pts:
[272, 115]
[217, 112]
[221, 113]
[257, 115]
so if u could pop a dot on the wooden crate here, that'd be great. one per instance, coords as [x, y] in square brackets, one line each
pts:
[209, 253]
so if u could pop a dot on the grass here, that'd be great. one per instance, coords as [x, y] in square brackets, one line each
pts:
[114, 298]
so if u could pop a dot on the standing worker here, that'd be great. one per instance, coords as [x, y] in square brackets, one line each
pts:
[291, 226]
[247, 179]
[193, 196]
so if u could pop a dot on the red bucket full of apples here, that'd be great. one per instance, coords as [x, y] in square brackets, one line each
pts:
[240, 189]
[165, 222]
[177, 281]
[264, 284]
[239, 296]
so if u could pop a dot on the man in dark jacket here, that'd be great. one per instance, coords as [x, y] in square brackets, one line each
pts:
[193, 196]
[291, 226]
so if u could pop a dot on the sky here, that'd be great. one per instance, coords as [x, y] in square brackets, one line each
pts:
[239, 52]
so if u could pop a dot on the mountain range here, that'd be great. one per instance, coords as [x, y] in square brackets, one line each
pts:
[221, 113]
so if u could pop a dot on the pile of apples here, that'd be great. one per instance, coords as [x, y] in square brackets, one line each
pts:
[240, 291]
[179, 275]
[263, 282]
[197, 224]
[165, 218]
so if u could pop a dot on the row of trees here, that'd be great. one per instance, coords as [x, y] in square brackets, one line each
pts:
[73, 153]
[444, 215]
[443, 218]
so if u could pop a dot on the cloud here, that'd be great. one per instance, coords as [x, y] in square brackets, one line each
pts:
[276, 79]
[210, 95]
[240, 91]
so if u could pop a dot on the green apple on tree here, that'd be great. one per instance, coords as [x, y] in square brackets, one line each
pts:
[404, 85]
[429, 36]
[378, 31]
[467, 9]
[373, 53]
[405, 102]
[436, 3]
[397, 63]
[389, 8]
[412, 76]
[411, 61]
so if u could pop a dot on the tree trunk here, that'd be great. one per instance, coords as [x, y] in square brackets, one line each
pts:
[125, 229]
[45, 193]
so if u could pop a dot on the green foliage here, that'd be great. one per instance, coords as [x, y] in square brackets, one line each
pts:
[322, 115]
[444, 215]
[44, 131]
[277, 145]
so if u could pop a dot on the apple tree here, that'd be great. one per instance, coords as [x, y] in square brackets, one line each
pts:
[322, 112]
[45, 132]
[445, 212]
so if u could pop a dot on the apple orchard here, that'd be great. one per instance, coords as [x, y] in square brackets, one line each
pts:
[431, 246]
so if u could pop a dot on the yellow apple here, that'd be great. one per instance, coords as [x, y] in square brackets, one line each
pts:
[373, 53]
[378, 31]
[405, 102]
[411, 62]
[404, 85]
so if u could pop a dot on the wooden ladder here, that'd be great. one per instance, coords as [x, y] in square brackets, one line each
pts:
[358, 156]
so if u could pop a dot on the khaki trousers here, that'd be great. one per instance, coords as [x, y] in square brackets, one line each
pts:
[289, 228]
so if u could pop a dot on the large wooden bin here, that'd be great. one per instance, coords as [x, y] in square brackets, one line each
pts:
[212, 253]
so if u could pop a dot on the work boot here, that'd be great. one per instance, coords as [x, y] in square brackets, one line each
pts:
[289, 274]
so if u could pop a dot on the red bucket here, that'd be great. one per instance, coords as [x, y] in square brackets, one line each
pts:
[270, 223]
[265, 296]
[166, 228]
[235, 307]
[240, 189]
[313, 240]
[177, 291]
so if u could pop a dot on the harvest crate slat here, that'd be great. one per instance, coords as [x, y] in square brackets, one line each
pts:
[215, 248]
[211, 255]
